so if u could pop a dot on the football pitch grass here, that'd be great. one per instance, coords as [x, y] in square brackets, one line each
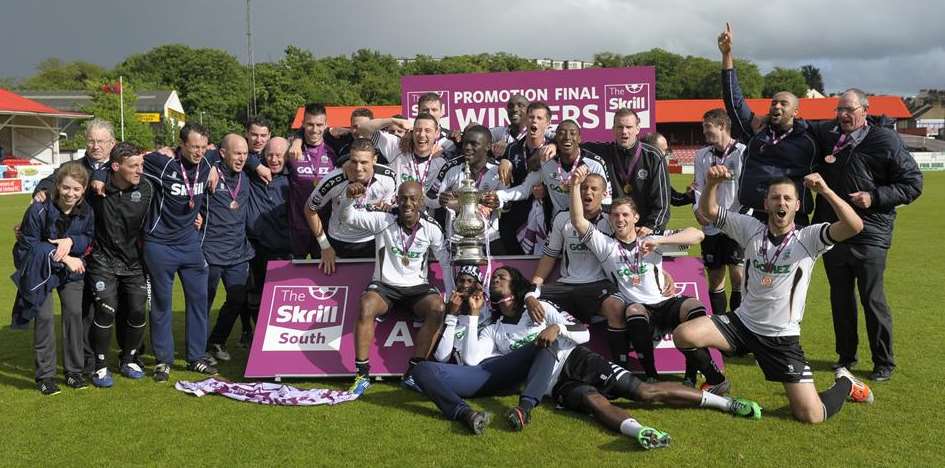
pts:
[145, 423]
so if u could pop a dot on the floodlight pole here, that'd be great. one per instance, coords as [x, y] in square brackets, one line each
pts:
[121, 104]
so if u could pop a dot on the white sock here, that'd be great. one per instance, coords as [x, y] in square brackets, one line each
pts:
[630, 427]
[711, 400]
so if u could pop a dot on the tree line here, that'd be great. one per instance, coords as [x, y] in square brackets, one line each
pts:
[215, 87]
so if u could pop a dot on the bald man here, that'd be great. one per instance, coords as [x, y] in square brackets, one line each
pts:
[401, 272]
[267, 226]
[778, 145]
[225, 245]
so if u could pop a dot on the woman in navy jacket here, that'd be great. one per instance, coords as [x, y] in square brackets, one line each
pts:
[56, 235]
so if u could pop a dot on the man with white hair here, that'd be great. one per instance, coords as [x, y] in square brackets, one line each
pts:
[871, 169]
[99, 141]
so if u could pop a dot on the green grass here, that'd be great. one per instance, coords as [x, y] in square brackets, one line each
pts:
[146, 423]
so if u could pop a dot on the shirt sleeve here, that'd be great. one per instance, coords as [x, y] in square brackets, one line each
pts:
[601, 245]
[387, 143]
[373, 221]
[816, 239]
[442, 254]
[478, 346]
[735, 105]
[737, 226]
[521, 191]
[555, 242]
[326, 190]
[444, 349]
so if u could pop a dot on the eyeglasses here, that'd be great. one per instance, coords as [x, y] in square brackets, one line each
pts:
[99, 142]
[847, 110]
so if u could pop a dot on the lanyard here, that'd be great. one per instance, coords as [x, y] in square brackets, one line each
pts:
[233, 193]
[560, 170]
[193, 187]
[727, 151]
[628, 174]
[415, 168]
[625, 257]
[769, 263]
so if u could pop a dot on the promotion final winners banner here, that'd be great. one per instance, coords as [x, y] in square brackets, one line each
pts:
[306, 320]
[589, 96]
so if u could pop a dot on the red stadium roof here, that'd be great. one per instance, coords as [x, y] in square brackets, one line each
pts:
[691, 110]
[671, 110]
[340, 116]
[12, 103]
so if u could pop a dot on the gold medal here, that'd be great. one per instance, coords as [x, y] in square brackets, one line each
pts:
[627, 189]
[234, 205]
[191, 203]
[635, 280]
[830, 159]
[405, 261]
[767, 281]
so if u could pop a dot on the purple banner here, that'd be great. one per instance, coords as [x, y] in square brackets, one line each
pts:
[306, 320]
[589, 96]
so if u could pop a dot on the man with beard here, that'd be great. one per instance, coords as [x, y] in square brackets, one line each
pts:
[342, 240]
[778, 145]
[401, 272]
[779, 264]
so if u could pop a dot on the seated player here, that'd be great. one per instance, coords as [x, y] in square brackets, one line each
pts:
[449, 349]
[342, 240]
[636, 266]
[500, 356]
[779, 263]
[401, 270]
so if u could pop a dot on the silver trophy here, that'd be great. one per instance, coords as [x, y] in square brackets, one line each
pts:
[468, 226]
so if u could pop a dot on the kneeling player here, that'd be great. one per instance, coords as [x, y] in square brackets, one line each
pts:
[636, 266]
[400, 271]
[779, 263]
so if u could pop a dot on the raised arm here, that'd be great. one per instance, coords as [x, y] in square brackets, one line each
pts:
[708, 203]
[743, 119]
[521, 191]
[373, 221]
[577, 207]
[848, 223]
[368, 128]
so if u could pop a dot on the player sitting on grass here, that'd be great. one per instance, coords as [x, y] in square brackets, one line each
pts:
[779, 261]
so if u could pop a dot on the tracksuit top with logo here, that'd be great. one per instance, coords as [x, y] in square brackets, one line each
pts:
[450, 179]
[553, 175]
[171, 219]
[727, 191]
[224, 229]
[382, 189]
[391, 248]
[623, 263]
[578, 264]
[775, 309]
[119, 219]
[502, 337]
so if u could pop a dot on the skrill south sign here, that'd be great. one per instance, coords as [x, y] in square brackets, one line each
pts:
[589, 96]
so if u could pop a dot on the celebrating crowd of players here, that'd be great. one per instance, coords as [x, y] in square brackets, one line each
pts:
[109, 233]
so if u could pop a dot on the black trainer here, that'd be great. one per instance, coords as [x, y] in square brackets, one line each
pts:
[202, 366]
[881, 374]
[477, 421]
[47, 387]
[518, 418]
[76, 381]
[162, 372]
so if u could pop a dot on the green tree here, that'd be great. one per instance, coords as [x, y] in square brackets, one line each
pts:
[813, 78]
[54, 74]
[784, 79]
[210, 82]
[749, 78]
[106, 104]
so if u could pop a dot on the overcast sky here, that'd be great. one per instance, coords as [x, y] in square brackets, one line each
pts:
[884, 47]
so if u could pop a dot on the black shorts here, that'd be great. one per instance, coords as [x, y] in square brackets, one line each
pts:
[402, 297]
[586, 372]
[582, 301]
[352, 249]
[780, 357]
[664, 316]
[719, 250]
